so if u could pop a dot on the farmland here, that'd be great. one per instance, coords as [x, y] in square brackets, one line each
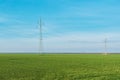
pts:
[59, 67]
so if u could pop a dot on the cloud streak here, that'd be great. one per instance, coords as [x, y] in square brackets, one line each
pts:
[81, 42]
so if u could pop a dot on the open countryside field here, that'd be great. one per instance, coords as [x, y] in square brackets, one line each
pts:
[59, 67]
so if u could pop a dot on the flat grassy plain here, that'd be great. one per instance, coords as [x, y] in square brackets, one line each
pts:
[59, 67]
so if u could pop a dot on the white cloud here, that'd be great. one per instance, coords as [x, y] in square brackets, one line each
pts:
[19, 45]
[81, 42]
[69, 42]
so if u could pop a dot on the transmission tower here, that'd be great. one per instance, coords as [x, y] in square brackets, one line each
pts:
[40, 37]
[105, 42]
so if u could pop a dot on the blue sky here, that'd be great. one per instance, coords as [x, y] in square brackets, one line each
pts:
[68, 25]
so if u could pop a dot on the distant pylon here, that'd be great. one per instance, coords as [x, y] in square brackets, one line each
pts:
[105, 42]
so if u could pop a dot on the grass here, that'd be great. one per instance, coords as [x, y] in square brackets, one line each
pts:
[59, 67]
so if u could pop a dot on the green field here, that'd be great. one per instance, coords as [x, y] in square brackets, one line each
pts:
[59, 67]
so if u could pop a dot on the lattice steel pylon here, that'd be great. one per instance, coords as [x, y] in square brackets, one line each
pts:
[105, 42]
[40, 37]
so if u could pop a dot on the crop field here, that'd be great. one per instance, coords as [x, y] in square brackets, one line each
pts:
[59, 67]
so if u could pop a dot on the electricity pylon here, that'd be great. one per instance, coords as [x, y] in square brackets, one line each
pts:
[105, 42]
[40, 37]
